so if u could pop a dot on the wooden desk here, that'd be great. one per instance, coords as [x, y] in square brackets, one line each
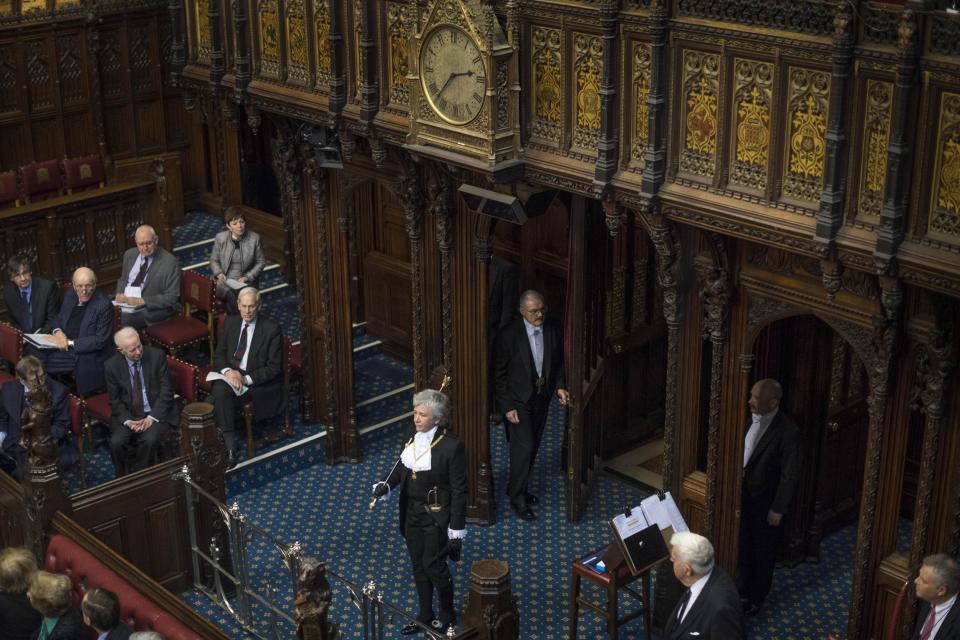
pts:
[611, 583]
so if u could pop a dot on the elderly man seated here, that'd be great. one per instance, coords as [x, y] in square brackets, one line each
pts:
[249, 356]
[149, 283]
[81, 333]
[141, 402]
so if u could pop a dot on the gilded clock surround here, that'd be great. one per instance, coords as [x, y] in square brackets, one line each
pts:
[452, 74]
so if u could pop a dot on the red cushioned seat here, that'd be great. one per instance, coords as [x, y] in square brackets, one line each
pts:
[80, 174]
[78, 427]
[11, 343]
[184, 378]
[40, 180]
[5, 378]
[98, 407]
[8, 190]
[196, 291]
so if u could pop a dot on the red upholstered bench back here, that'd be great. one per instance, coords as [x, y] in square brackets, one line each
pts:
[66, 557]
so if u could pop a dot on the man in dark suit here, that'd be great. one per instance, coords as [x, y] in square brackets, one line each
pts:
[937, 586]
[528, 369]
[81, 333]
[32, 302]
[249, 356]
[141, 402]
[101, 612]
[432, 476]
[150, 281]
[709, 609]
[30, 375]
[771, 467]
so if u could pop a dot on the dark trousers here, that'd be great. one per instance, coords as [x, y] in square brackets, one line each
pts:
[136, 320]
[759, 542]
[132, 451]
[225, 406]
[524, 438]
[229, 299]
[424, 542]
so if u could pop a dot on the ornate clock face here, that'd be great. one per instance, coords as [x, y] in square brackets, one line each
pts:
[452, 74]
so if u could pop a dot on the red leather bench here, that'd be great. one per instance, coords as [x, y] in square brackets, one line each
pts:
[69, 558]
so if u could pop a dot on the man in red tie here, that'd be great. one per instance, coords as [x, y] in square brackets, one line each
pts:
[937, 586]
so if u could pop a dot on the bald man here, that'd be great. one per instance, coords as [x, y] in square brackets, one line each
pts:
[150, 280]
[771, 467]
[81, 333]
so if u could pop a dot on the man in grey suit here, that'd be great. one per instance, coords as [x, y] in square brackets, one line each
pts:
[150, 281]
[238, 255]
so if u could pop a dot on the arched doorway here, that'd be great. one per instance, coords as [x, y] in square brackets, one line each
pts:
[825, 392]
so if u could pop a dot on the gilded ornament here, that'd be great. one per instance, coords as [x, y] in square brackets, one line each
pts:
[588, 101]
[753, 130]
[875, 140]
[702, 120]
[641, 92]
[807, 143]
[203, 29]
[589, 69]
[269, 38]
[297, 54]
[357, 51]
[322, 22]
[399, 64]
[548, 87]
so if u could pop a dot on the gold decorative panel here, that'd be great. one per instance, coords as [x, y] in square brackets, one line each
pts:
[588, 70]
[809, 98]
[397, 21]
[945, 212]
[547, 84]
[298, 53]
[641, 91]
[269, 39]
[701, 86]
[752, 97]
[876, 135]
[321, 18]
[203, 30]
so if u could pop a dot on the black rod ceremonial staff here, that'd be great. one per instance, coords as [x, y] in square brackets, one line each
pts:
[443, 385]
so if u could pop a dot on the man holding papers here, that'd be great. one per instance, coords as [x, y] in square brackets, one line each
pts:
[141, 402]
[709, 608]
[32, 301]
[149, 286]
[248, 355]
[81, 334]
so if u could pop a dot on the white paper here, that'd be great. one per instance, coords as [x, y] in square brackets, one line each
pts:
[655, 512]
[676, 518]
[236, 284]
[40, 340]
[213, 375]
[126, 308]
[133, 292]
[629, 525]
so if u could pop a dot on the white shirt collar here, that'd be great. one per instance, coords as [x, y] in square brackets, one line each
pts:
[424, 437]
[943, 607]
[531, 328]
[695, 590]
[417, 456]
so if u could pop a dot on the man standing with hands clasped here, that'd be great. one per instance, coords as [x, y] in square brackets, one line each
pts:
[528, 370]
[771, 466]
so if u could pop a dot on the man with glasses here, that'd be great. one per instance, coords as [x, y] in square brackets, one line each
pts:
[30, 376]
[141, 402]
[32, 301]
[81, 333]
[149, 282]
[527, 372]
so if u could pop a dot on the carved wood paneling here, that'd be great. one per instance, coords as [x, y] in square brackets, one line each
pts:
[945, 205]
[753, 94]
[642, 76]
[587, 70]
[321, 21]
[398, 22]
[701, 91]
[805, 145]
[297, 50]
[878, 111]
[547, 94]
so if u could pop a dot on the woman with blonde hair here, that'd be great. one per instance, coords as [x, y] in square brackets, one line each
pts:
[18, 620]
[50, 595]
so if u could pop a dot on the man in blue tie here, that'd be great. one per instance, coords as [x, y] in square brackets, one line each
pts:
[527, 372]
[709, 608]
[141, 402]
[32, 301]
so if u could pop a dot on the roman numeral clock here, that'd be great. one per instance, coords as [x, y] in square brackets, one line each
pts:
[465, 106]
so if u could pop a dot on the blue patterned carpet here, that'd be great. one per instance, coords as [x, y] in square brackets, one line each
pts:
[325, 509]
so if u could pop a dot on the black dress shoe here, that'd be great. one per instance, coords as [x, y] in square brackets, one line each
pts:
[525, 513]
[532, 499]
[409, 629]
[231, 459]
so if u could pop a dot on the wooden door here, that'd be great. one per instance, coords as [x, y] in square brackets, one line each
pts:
[586, 342]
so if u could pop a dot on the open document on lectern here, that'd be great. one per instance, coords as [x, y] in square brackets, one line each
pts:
[663, 513]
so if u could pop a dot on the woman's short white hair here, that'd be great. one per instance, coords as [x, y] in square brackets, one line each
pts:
[437, 402]
[693, 550]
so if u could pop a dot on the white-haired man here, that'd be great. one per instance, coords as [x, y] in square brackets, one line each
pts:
[149, 280]
[937, 586]
[710, 607]
[141, 402]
